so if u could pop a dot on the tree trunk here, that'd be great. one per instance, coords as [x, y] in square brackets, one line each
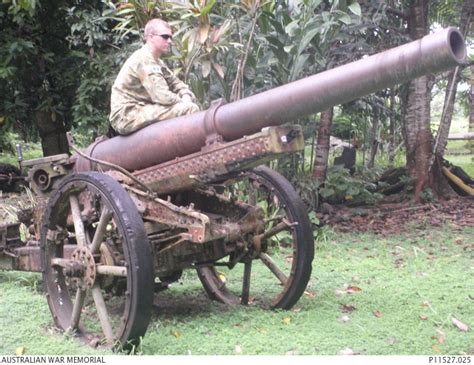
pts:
[471, 111]
[453, 79]
[417, 119]
[391, 138]
[322, 146]
[374, 140]
[52, 134]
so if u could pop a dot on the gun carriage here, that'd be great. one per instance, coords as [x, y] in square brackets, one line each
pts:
[126, 216]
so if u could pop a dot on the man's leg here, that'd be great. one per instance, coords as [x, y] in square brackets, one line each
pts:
[140, 117]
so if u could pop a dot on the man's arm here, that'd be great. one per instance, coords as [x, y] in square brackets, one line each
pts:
[155, 84]
[176, 85]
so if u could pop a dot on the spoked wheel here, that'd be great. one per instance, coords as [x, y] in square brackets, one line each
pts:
[98, 267]
[273, 267]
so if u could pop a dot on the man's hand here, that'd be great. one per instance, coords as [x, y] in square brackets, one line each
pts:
[187, 98]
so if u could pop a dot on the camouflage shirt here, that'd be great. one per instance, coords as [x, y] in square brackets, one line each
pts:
[144, 80]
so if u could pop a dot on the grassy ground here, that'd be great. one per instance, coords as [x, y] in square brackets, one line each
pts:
[466, 162]
[395, 295]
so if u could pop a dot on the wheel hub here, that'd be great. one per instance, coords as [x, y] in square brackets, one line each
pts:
[83, 257]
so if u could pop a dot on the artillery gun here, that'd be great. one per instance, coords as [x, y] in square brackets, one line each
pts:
[125, 217]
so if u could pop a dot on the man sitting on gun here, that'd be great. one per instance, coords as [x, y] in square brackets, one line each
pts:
[146, 90]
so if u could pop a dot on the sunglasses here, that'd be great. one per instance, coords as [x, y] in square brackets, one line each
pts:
[165, 36]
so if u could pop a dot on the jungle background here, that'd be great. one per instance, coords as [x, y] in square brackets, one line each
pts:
[58, 60]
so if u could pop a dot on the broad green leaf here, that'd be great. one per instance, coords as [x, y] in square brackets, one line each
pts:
[203, 32]
[298, 66]
[292, 28]
[289, 48]
[314, 3]
[353, 191]
[345, 18]
[355, 8]
[326, 192]
[205, 10]
[307, 39]
[206, 68]
[218, 68]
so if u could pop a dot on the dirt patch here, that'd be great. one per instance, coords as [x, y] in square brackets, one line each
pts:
[393, 218]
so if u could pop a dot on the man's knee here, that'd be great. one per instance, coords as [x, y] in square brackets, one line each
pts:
[185, 108]
[128, 128]
[177, 110]
[140, 118]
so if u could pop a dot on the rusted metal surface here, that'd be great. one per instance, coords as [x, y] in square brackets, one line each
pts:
[45, 172]
[27, 257]
[220, 159]
[182, 136]
[180, 227]
[9, 235]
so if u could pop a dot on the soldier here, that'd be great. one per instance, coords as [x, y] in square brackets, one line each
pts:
[145, 90]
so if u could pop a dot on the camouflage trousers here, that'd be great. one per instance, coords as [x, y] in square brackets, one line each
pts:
[140, 116]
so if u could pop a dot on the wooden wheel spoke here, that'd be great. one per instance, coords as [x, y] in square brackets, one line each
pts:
[282, 226]
[76, 310]
[94, 241]
[246, 282]
[102, 313]
[267, 260]
[100, 230]
[77, 220]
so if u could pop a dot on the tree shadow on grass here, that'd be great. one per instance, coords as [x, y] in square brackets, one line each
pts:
[186, 302]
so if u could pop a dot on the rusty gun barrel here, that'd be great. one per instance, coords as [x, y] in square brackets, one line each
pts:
[185, 135]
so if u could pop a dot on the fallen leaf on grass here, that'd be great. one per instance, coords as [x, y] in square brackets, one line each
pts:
[459, 240]
[353, 289]
[344, 319]
[348, 351]
[378, 314]
[309, 294]
[19, 351]
[398, 263]
[436, 349]
[286, 320]
[237, 350]
[423, 317]
[347, 308]
[222, 277]
[438, 338]
[176, 334]
[392, 341]
[461, 326]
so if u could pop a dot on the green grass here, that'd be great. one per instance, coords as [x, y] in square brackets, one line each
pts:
[30, 151]
[466, 162]
[415, 283]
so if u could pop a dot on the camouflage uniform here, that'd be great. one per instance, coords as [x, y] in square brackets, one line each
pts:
[146, 91]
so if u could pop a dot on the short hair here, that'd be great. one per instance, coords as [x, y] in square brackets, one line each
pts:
[152, 25]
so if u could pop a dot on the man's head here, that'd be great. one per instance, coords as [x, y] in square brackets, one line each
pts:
[158, 36]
